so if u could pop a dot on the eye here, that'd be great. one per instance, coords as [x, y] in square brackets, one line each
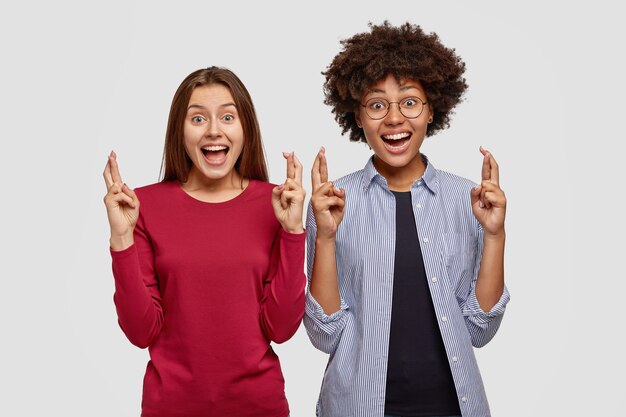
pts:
[228, 117]
[377, 105]
[409, 102]
[197, 119]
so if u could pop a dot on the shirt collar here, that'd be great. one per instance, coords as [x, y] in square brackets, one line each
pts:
[430, 177]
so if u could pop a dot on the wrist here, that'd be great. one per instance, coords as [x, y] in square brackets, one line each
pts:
[296, 230]
[325, 240]
[498, 236]
[121, 242]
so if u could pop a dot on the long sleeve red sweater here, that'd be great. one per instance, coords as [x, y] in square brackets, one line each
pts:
[206, 287]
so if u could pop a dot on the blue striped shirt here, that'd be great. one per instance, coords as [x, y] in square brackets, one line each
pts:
[357, 336]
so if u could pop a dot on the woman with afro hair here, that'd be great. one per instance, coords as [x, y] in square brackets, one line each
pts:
[405, 261]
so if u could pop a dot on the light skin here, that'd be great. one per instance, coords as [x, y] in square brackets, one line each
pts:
[213, 140]
[396, 141]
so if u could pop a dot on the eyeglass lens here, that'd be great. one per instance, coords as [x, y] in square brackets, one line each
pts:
[410, 107]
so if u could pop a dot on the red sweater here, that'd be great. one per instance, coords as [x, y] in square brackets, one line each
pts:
[206, 287]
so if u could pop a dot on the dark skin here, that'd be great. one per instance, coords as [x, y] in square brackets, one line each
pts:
[401, 165]
[328, 203]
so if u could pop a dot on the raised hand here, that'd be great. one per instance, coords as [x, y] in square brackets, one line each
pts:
[488, 200]
[327, 201]
[122, 206]
[288, 198]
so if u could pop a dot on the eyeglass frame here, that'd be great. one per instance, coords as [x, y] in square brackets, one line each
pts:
[389, 103]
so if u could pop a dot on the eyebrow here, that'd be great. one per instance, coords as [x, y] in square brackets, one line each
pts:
[199, 106]
[403, 87]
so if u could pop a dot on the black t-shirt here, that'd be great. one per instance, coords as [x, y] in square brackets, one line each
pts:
[419, 381]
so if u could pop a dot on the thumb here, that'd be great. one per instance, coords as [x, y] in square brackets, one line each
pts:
[276, 192]
[475, 194]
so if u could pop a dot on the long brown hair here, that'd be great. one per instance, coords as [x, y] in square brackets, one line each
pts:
[176, 163]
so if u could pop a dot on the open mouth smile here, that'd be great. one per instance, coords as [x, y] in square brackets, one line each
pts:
[397, 142]
[215, 154]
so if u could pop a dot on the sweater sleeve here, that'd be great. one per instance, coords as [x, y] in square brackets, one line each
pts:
[137, 298]
[282, 304]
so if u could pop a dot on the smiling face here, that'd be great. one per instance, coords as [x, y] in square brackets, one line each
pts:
[213, 135]
[395, 139]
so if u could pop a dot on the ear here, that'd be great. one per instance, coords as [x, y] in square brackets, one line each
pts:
[431, 115]
[357, 118]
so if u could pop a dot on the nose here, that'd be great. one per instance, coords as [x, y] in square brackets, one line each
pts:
[394, 116]
[212, 130]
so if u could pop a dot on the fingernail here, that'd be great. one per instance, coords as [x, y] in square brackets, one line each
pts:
[280, 187]
[337, 190]
[286, 154]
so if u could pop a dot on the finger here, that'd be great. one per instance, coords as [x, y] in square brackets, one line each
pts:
[326, 203]
[325, 189]
[298, 166]
[491, 186]
[495, 170]
[115, 170]
[131, 193]
[277, 194]
[283, 200]
[323, 166]
[277, 191]
[315, 172]
[486, 168]
[291, 170]
[483, 200]
[495, 199]
[293, 196]
[475, 195]
[336, 202]
[291, 184]
[118, 199]
[122, 197]
[115, 188]
[108, 178]
[128, 190]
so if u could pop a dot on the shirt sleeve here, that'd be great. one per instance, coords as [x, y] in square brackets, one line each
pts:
[482, 326]
[282, 305]
[324, 330]
[137, 298]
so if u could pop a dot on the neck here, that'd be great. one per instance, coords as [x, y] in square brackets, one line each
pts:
[214, 190]
[401, 178]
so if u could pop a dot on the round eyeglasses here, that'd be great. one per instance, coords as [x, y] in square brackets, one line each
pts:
[410, 107]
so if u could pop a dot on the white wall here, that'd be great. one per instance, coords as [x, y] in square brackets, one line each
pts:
[546, 97]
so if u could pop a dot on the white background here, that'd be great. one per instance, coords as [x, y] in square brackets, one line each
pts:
[546, 97]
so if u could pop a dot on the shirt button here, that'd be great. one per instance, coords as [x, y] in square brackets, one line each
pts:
[464, 399]
[434, 279]
[444, 318]
[425, 240]
[418, 205]
[455, 359]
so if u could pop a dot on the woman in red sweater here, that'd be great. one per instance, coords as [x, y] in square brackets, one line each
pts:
[210, 269]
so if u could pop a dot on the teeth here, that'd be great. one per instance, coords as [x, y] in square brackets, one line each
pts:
[214, 148]
[397, 136]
